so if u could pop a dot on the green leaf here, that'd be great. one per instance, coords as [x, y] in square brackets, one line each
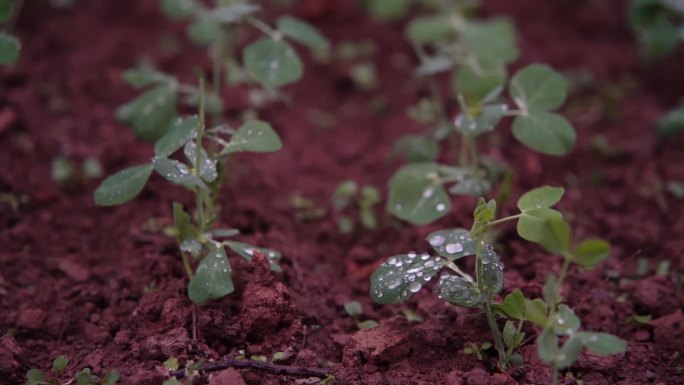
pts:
[452, 244]
[671, 123]
[659, 39]
[225, 233]
[151, 113]
[538, 87]
[494, 39]
[353, 308]
[9, 48]
[533, 225]
[602, 344]
[484, 120]
[460, 292]
[564, 321]
[207, 166]
[143, 76]
[569, 353]
[514, 304]
[273, 63]
[187, 232]
[171, 364]
[366, 325]
[123, 186]
[483, 80]
[110, 378]
[429, 29]
[484, 211]
[547, 346]
[213, 278]
[203, 30]
[551, 297]
[535, 311]
[234, 13]
[555, 236]
[180, 9]
[182, 130]
[591, 252]
[5, 10]
[492, 272]
[417, 148]
[541, 197]
[178, 173]
[509, 334]
[545, 132]
[246, 251]
[416, 196]
[400, 276]
[472, 185]
[84, 377]
[35, 377]
[302, 32]
[60, 363]
[387, 10]
[254, 136]
[434, 64]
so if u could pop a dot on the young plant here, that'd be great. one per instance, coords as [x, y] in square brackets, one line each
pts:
[476, 349]
[658, 24]
[476, 53]
[202, 172]
[9, 45]
[347, 195]
[84, 377]
[355, 310]
[400, 276]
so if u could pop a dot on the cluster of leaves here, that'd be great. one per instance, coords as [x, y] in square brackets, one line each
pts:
[83, 377]
[9, 45]
[271, 61]
[476, 54]
[348, 195]
[355, 310]
[658, 24]
[400, 276]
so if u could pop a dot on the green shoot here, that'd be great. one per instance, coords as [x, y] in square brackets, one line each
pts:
[355, 310]
[347, 195]
[83, 377]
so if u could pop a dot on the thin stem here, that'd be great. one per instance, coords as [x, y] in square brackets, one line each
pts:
[479, 271]
[502, 220]
[186, 263]
[198, 150]
[458, 271]
[554, 375]
[263, 27]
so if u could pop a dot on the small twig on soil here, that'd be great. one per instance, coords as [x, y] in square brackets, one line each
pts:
[230, 362]
[505, 373]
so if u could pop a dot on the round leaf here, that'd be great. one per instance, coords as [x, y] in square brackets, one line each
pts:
[545, 132]
[9, 48]
[417, 148]
[177, 173]
[60, 363]
[538, 87]
[179, 9]
[272, 62]
[452, 244]
[207, 166]
[533, 224]
[429, 29]
[123, 186]
[569, 353]
[182, 131]
[254, 136]
[203, 30]
[213, 278]
[492, 272]
[541, 197]
[591, 252]
[302, 32]
[460, 292]
[535, 311]
[485, 120]
[564, 321]
[547, 346]
[480, 80]
[400, 276]
[602, 344]
[555, 235]
[151, 113]
[472, 185]
[492, 40]
[415, 196]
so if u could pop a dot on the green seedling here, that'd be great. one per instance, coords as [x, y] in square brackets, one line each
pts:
[9, 44]
[84, 377]
[401, 276]
[347, 195]
[67, 171]
[476, 350]
[355, 310]
[305, 208]
[658, 26]
[672, 122]
[201, 170]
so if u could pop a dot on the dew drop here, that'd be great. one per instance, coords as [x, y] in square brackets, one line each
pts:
[428, 192]
[392, 260]
[440, 207]
[453, 248]
[415, 286]
[425, 256]
[437, 240]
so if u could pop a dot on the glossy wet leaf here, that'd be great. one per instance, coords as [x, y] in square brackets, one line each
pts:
[415, 195]
[182, 130]
[452, 244]
[538, 87]
[494, 39]
[60, 363]
[417, 148]
[207, 166]
[591, 252]
[510, 335]
[492, 272]
[34, 377]
[5, 10]
[178, 173]
[475, 186]
[179, 9]
[110, 378]
[233, 13]
[555, 235]
[151, 113]
[547, 346]
[540, 197]
[533, 225]
[602, 344]
[203, 30]
[272, 62]
[123, 186]
[514, 305]
[536, 311]
[564, 321]
[302, 32]
[569, 352]
[545, 132]
[429, 29]
[484, 120]
[246, 251]
[478, 81]
[213, 277]
[254, 136]
[9, 48]
[460, 292]
[400, 276]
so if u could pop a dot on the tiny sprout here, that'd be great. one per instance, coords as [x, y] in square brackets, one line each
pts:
[83, 377]
[355, 310]
[171, 364]
[347, 195]
[473, 348]
[278, 356]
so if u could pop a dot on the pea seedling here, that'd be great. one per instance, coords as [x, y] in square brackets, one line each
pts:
[355, 310]
[476, 53]
[84, 377]
[9, 45]
[271, 61]
[658, 25]
[400, 276]
[202, 173]
[347, 195]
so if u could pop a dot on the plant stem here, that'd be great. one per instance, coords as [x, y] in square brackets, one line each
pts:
[554, 375]
[198, 150]
[502, 220]
[263, 27]
[186, 263]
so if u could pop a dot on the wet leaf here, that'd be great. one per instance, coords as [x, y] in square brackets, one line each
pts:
[254, 136]
[180, 9]
[536, 311]
[429, 29]
[213, 277]
[591, 252]
[486, 119]
[569, 353]
[178, 173]
[547, 346]
[35, 377]
[182, 130]
[203, 30]
[246, 251]
[273, 63]
[207, 166]
[510, 335]
[151, 113]
[564, 321]
[492, 272]
[234, 12]
[514, 305]
[460, 292]
[302, 32]
[494, 39]
[187, 232]
[533, 225]
[60, 363]
[482, 80]
[110, 378]
[472, 185]
[602, 344]
[452, 244]
[123, 186]
[541, 197]
[9, 48]
[545, 132]
[417, 148]
[538, 87]
[400, 276]
[415, 195]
